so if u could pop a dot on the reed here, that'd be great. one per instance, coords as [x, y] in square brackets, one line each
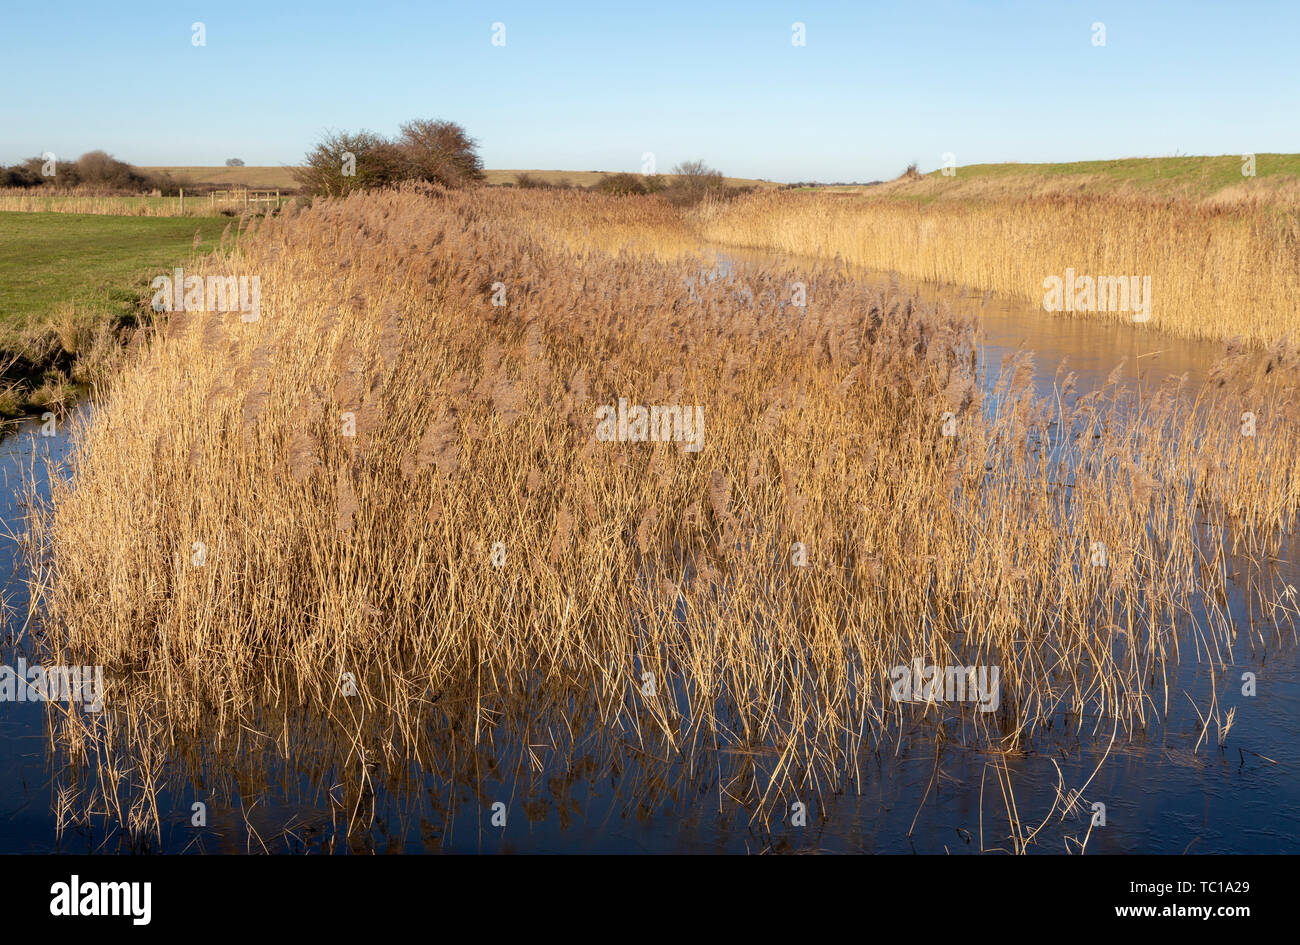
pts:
[24, 200]
[408, 521]
[1217, 272]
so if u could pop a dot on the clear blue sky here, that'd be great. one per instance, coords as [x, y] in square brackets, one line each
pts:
[587, 86]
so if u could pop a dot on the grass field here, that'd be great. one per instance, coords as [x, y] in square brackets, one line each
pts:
[257, 178]
[93, 262]
[67, 281]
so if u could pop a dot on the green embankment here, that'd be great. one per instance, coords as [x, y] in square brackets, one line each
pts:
[64, 276]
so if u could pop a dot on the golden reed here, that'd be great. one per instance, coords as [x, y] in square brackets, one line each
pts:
[383, 504]
[1217, 271]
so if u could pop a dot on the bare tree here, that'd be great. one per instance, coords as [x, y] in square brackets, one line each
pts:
[440, 152]
[697, 176]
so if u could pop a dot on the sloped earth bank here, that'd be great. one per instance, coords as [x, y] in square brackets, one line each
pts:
[366, 562]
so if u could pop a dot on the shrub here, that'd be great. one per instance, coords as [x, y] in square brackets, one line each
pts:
[101, 170]
[95, 171]
[343, 162]
[620, 185]
[692, 182]
[697, 176]
[20, 175]
[436, 152]
[439, 152]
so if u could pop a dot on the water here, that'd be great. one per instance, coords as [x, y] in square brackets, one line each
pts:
[25, 771]
[595, 793]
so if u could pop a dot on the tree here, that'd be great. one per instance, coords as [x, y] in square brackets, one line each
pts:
[621, 185]
[21, 175]
[697, 176]
[343, 162]
[692, 182]
[94, 170]
[439, 152]
[100, 169]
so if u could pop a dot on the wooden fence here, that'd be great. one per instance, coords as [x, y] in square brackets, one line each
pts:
[247, 199]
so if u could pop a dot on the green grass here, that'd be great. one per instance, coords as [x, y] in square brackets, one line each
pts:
[1206, 174]
[102, 265]
[1216, 178]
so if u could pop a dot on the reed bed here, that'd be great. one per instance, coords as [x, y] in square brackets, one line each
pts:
[1217, 272]
[409, 526]
[23, 200]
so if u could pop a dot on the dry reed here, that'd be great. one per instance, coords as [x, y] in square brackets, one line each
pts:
[1217, 272]
[411, 528]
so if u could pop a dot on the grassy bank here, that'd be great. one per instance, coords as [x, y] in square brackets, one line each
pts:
[69, 284]
[1209, 180]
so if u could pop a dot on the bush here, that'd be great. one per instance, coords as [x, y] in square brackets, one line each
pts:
[101, 170]
[692, 182]
[620, 185]
[436, 152]
[439, 152]
[20, 175]
[526, 181]
[343, 162]
[696, 176]
[94, 171]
